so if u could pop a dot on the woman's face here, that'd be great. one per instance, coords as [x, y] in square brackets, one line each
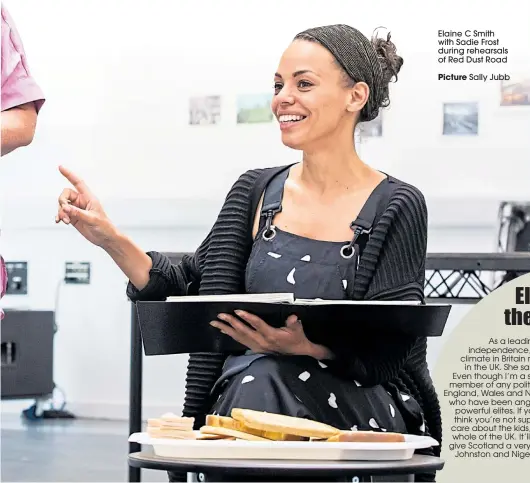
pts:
[312, 102]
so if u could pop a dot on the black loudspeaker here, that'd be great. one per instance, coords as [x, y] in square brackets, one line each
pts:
[27, 354]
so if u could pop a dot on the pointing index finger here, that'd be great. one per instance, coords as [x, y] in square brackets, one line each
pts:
[76, 181]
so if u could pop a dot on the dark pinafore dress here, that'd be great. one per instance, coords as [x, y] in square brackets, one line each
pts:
[302, 386]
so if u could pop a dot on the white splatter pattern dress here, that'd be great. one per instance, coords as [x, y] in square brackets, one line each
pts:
[301, 386]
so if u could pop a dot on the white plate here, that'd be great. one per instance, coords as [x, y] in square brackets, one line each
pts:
[284, 450]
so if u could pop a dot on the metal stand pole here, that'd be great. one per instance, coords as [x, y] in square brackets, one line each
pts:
[135, 391]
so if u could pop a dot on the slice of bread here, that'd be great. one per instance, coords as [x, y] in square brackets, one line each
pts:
[279, 423]
[178, 420]
[366, 437]
[206, 436]
[170, 433]
[223, 422]
[178, 426]
[173, 422]
[229, 423]
[231, 432]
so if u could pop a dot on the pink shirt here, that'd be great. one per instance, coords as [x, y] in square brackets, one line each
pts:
[18, 86]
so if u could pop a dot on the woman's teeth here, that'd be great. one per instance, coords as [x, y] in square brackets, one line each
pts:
[290, 118]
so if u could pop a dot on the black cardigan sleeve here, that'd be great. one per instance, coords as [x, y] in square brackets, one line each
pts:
[398, 248]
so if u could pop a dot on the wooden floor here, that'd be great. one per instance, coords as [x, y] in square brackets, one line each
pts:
[66, 450]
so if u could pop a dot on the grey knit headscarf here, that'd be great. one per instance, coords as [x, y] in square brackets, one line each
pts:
[357, 56]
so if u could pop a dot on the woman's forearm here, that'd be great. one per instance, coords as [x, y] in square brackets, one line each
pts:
[131, 259]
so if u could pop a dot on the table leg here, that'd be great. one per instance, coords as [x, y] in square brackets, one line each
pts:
[135, 391]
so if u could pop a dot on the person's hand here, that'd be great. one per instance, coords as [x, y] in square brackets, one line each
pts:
[80, 208]
[262, 338]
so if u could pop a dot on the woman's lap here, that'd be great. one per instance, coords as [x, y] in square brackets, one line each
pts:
[302, 387]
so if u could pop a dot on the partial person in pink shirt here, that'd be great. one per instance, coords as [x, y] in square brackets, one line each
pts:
[22, 98]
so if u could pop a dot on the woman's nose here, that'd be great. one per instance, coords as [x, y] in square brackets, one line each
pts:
[283, 98]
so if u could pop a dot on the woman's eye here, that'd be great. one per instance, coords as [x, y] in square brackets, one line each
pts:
[301, 85]
[304, 84]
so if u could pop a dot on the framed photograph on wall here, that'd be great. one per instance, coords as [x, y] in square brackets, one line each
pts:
[205, 110]
[254, 108]
[516, 91]
[460, 118]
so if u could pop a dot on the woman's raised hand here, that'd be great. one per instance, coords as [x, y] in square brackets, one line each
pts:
[81, 209]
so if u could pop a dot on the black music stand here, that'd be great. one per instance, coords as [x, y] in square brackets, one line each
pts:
[135, 381]
[458, 277]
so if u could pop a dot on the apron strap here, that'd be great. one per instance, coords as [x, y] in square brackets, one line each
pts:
[365, 220]
[363, 224]
[272, 200]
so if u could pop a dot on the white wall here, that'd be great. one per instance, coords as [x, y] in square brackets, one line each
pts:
[117, 76]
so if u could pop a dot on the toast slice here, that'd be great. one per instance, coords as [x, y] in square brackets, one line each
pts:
[230, 423]
[231, 433]
[223, 422]
[279, 423]
[206, 436]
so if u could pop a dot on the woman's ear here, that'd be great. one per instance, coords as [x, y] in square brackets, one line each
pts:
[357, 97]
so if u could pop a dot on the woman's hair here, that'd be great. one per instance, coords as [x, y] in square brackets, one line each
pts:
[372, 61]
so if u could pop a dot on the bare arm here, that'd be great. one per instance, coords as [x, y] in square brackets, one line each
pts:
[151, 275]
[18, 127]
[81, 209]
[131, 259]
[139, 267]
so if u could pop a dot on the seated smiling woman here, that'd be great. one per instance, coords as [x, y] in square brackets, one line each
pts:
[329, 226]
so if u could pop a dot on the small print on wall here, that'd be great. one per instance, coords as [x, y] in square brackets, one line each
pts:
[205, 110]
[460, 118]
[516, 91]
[254, 108]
